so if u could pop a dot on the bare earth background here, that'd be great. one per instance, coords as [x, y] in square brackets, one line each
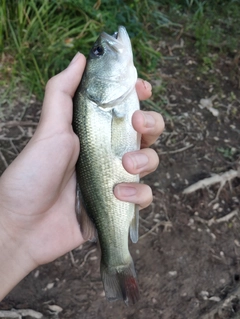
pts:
[188, 255]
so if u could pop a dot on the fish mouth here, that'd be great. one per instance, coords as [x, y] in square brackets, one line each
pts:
[119, 40]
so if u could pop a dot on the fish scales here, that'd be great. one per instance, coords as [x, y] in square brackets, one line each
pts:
[103, 124]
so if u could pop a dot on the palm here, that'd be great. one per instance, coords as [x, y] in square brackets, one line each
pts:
[43, 193]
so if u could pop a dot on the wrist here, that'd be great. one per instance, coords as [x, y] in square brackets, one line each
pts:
[15, 263]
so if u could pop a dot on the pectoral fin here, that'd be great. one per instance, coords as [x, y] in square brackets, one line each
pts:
[87, 227]
[134, 225]
[119, 113]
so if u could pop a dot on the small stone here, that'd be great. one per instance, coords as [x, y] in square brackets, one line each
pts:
[213, 236]
[191, 222]
[235, 199]
[214, 298]
[50, 286]
[55, 308]
[236, 242]
[36, 274]
[93, 258]
[215, 206]
[172, 273]
[204, 294]
[137, 251]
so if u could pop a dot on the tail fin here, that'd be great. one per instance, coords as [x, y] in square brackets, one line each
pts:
[120, 283]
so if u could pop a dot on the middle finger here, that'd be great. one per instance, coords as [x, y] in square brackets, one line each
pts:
[140, 162]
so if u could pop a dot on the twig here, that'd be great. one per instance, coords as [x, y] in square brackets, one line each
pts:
[13, 146]
[223, 219]
[166, 224]
[20, 313]
[3, 159]
[220, 310]
[72, 259]
[227, 217]
[177, 151]
[218, 178]
[13, 138]
[17, 123]
[2, 138]
[86, 256]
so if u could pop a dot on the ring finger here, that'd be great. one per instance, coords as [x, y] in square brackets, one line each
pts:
[134, 193]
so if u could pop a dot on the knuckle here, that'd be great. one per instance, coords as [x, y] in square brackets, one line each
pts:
[148, 197]
[153, 159]
[51, 83]
[161, 122]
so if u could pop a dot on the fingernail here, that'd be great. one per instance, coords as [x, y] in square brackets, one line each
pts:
[75, 58]
[149, 120]
[147, 85]
[139, 160]
[126, 191]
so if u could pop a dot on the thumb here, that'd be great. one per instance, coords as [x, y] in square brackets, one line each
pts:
[60, 89]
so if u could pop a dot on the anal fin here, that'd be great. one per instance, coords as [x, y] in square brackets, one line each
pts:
[134, 225]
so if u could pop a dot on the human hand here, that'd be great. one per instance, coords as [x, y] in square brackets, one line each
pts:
[37, 191]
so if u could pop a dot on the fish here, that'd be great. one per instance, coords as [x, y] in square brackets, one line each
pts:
[103, 105]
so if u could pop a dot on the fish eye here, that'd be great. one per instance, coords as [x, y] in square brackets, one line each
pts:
[98, 50]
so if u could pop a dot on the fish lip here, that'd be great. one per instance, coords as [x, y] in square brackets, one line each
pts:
[118, 40]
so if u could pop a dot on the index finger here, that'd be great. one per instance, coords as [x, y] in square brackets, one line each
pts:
[144, 89]
[148, 123]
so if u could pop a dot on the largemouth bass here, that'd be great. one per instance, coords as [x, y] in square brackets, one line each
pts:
[103, 107]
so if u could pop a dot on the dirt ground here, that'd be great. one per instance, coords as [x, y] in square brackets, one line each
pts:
[188, 256]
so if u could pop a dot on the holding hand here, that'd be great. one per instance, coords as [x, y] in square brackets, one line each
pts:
[37, 191]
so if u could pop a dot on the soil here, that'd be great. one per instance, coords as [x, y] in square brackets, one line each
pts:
[188, 256]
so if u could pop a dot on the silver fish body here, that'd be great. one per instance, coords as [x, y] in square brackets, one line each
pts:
[103, 107]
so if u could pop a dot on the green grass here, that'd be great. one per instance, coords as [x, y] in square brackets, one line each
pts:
[214, 24]
[38, 38]
[41, 37]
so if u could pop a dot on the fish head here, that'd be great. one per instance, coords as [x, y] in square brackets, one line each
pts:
[110, 71]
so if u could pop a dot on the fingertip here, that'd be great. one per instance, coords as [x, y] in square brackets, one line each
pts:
[139, 194]
[68, 80]
[144, 89]
[78, 58]
[59, 92]
[143, 121]
[75, 58]
[138, 120]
